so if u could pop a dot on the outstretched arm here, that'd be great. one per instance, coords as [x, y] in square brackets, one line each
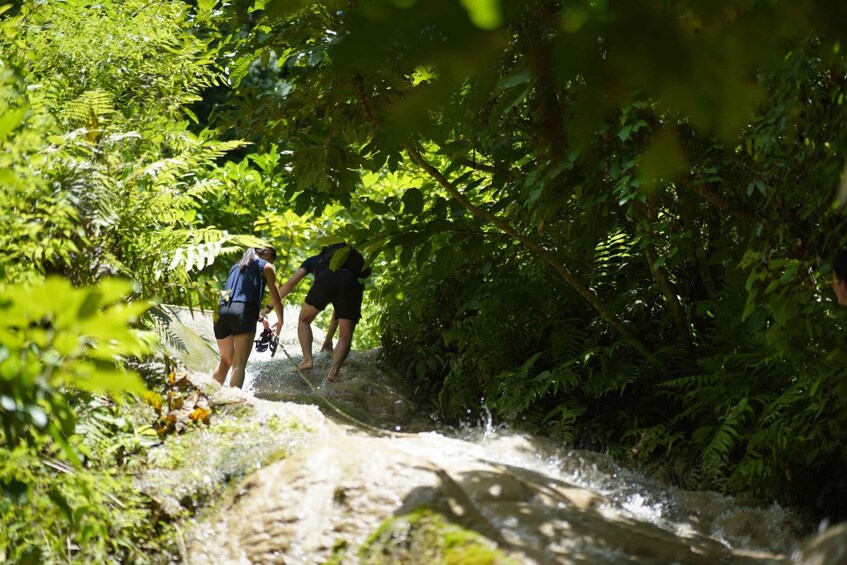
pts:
[289, 285]
[270, 279]
[283, 291]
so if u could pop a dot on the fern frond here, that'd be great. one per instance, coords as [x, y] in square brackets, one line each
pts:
[569, 341]
[611, 380]
[671, 360]
[784, 402]
[198, 248]
[716, 454]
[89, 108]
[560, 421]
[161, 324]
[692, 381]
[614, 253]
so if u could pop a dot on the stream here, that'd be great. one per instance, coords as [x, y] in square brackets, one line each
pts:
[370, 456]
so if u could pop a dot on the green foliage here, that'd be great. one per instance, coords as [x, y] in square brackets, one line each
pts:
[620, 243]
[101, 176]
[560, 195]
[110, 179]
[66, 496]
[55, 336]
[134, 58]
[56, 512]
[41, 226]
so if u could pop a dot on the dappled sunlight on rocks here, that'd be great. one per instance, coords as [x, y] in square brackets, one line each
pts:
[350, 469]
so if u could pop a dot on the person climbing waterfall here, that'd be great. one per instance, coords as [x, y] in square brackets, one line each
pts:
[338, 270]
[238, 311]
[310, 266]
[338, 282]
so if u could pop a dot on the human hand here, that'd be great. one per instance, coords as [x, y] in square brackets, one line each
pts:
[277, 327]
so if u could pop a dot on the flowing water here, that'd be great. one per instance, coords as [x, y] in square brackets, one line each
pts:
[376, 457]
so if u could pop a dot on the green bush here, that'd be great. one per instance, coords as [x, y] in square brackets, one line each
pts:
[67, 495]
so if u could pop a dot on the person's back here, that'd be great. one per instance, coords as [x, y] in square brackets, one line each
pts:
[238, 311]
[337, 282]
[246, 284]
[353, 260]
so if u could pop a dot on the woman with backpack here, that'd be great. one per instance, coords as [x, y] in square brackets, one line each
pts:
[238, 311]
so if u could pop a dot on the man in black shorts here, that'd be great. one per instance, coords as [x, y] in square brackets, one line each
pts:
[311, 266]
[337, 282]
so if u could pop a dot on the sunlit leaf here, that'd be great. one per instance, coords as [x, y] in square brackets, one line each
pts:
[339, 257]
[10, 120]
[206, 5]
[485, 14]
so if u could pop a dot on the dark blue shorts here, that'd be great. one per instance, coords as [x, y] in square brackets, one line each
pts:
[342, 289]
[236, 318]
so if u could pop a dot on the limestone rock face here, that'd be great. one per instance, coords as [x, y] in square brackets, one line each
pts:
[337, 492]
[368, 479]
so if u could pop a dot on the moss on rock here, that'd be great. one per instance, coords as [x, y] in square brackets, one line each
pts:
[426, 537]
[189, 470]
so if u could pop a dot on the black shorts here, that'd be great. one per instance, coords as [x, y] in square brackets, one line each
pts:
[342, 289]
[236, 318]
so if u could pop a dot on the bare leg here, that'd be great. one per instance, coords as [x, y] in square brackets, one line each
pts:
[342, 348]
[225, 346]
[330, 332]
[304, 334]
[243, 347]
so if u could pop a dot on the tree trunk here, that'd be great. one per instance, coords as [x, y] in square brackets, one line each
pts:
[660, 275]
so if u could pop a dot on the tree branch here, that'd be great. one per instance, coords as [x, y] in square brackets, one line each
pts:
[491, 169]
[660, 275]
[722, 203]
[501, 224]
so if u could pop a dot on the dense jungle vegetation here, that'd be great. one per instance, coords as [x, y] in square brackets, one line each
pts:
[609, 222]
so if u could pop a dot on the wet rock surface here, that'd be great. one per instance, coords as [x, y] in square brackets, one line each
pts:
[827, 548]
[339, 478]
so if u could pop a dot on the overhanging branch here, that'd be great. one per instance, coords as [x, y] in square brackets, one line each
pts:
[502, 225]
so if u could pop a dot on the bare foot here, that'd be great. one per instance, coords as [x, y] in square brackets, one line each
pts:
[331, 377]
[306, 365]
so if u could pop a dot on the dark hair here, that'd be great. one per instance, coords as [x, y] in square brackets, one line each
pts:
[252, 254]
[839, 265]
